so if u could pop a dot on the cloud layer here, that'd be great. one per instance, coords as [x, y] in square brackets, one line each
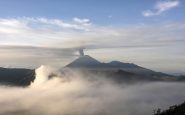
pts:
[141, 44]
[74, 94]
[161, 6]
[43, 32]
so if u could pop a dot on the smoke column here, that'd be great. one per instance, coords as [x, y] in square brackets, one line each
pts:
[81, 52]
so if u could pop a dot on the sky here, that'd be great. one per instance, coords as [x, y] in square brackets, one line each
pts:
[149, 33]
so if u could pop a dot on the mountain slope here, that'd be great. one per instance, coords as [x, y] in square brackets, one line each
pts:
[15, 76]
[130, 67]
[119, 71]
[122, 65]
[85, 62]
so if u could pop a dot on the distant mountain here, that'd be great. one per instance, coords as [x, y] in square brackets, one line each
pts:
[90, 63]
[85, 61]
[88, 66]
[130, 67]
[17, 77]
[122, 65]
[118, 70]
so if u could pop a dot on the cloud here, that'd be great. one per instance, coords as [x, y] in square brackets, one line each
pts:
[81, 24]
[140, 41]
[84, 21]
[55, 33]
[160, 7]
[34, 31]
[74, 94]
[32, 57]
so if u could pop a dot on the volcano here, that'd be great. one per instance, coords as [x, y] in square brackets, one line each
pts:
[88, 62]
[118, 70]
[85, 61]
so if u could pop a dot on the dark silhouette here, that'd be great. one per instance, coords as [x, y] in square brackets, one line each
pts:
[16, 77]
[173, 110]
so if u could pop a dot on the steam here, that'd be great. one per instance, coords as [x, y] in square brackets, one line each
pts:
[74, 94]
[81, 52]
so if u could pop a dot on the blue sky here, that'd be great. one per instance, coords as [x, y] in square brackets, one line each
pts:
[103, 12]
[149, 33]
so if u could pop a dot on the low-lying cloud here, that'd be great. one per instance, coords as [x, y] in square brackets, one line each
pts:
[73, 94]
[33, 57]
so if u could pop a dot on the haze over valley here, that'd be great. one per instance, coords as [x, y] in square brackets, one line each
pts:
[92, 57]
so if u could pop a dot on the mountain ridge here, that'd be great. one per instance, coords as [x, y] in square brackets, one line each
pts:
[120, 72]
[16, 76]
[87, 62]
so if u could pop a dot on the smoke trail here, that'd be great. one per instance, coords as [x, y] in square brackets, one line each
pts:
[74, 94]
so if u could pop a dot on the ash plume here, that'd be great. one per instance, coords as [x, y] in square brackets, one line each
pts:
[81, 52]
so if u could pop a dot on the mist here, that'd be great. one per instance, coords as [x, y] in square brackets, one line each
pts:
[75, 94]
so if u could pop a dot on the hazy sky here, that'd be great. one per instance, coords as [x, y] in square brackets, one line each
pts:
[150, 33]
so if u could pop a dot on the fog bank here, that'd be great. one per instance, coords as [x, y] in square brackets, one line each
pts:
[73, 94]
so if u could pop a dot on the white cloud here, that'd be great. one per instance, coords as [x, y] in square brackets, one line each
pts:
[78, 24]
[74, 93]
[53, 33]
[82, 21]
[56, 33]
[160, 7]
